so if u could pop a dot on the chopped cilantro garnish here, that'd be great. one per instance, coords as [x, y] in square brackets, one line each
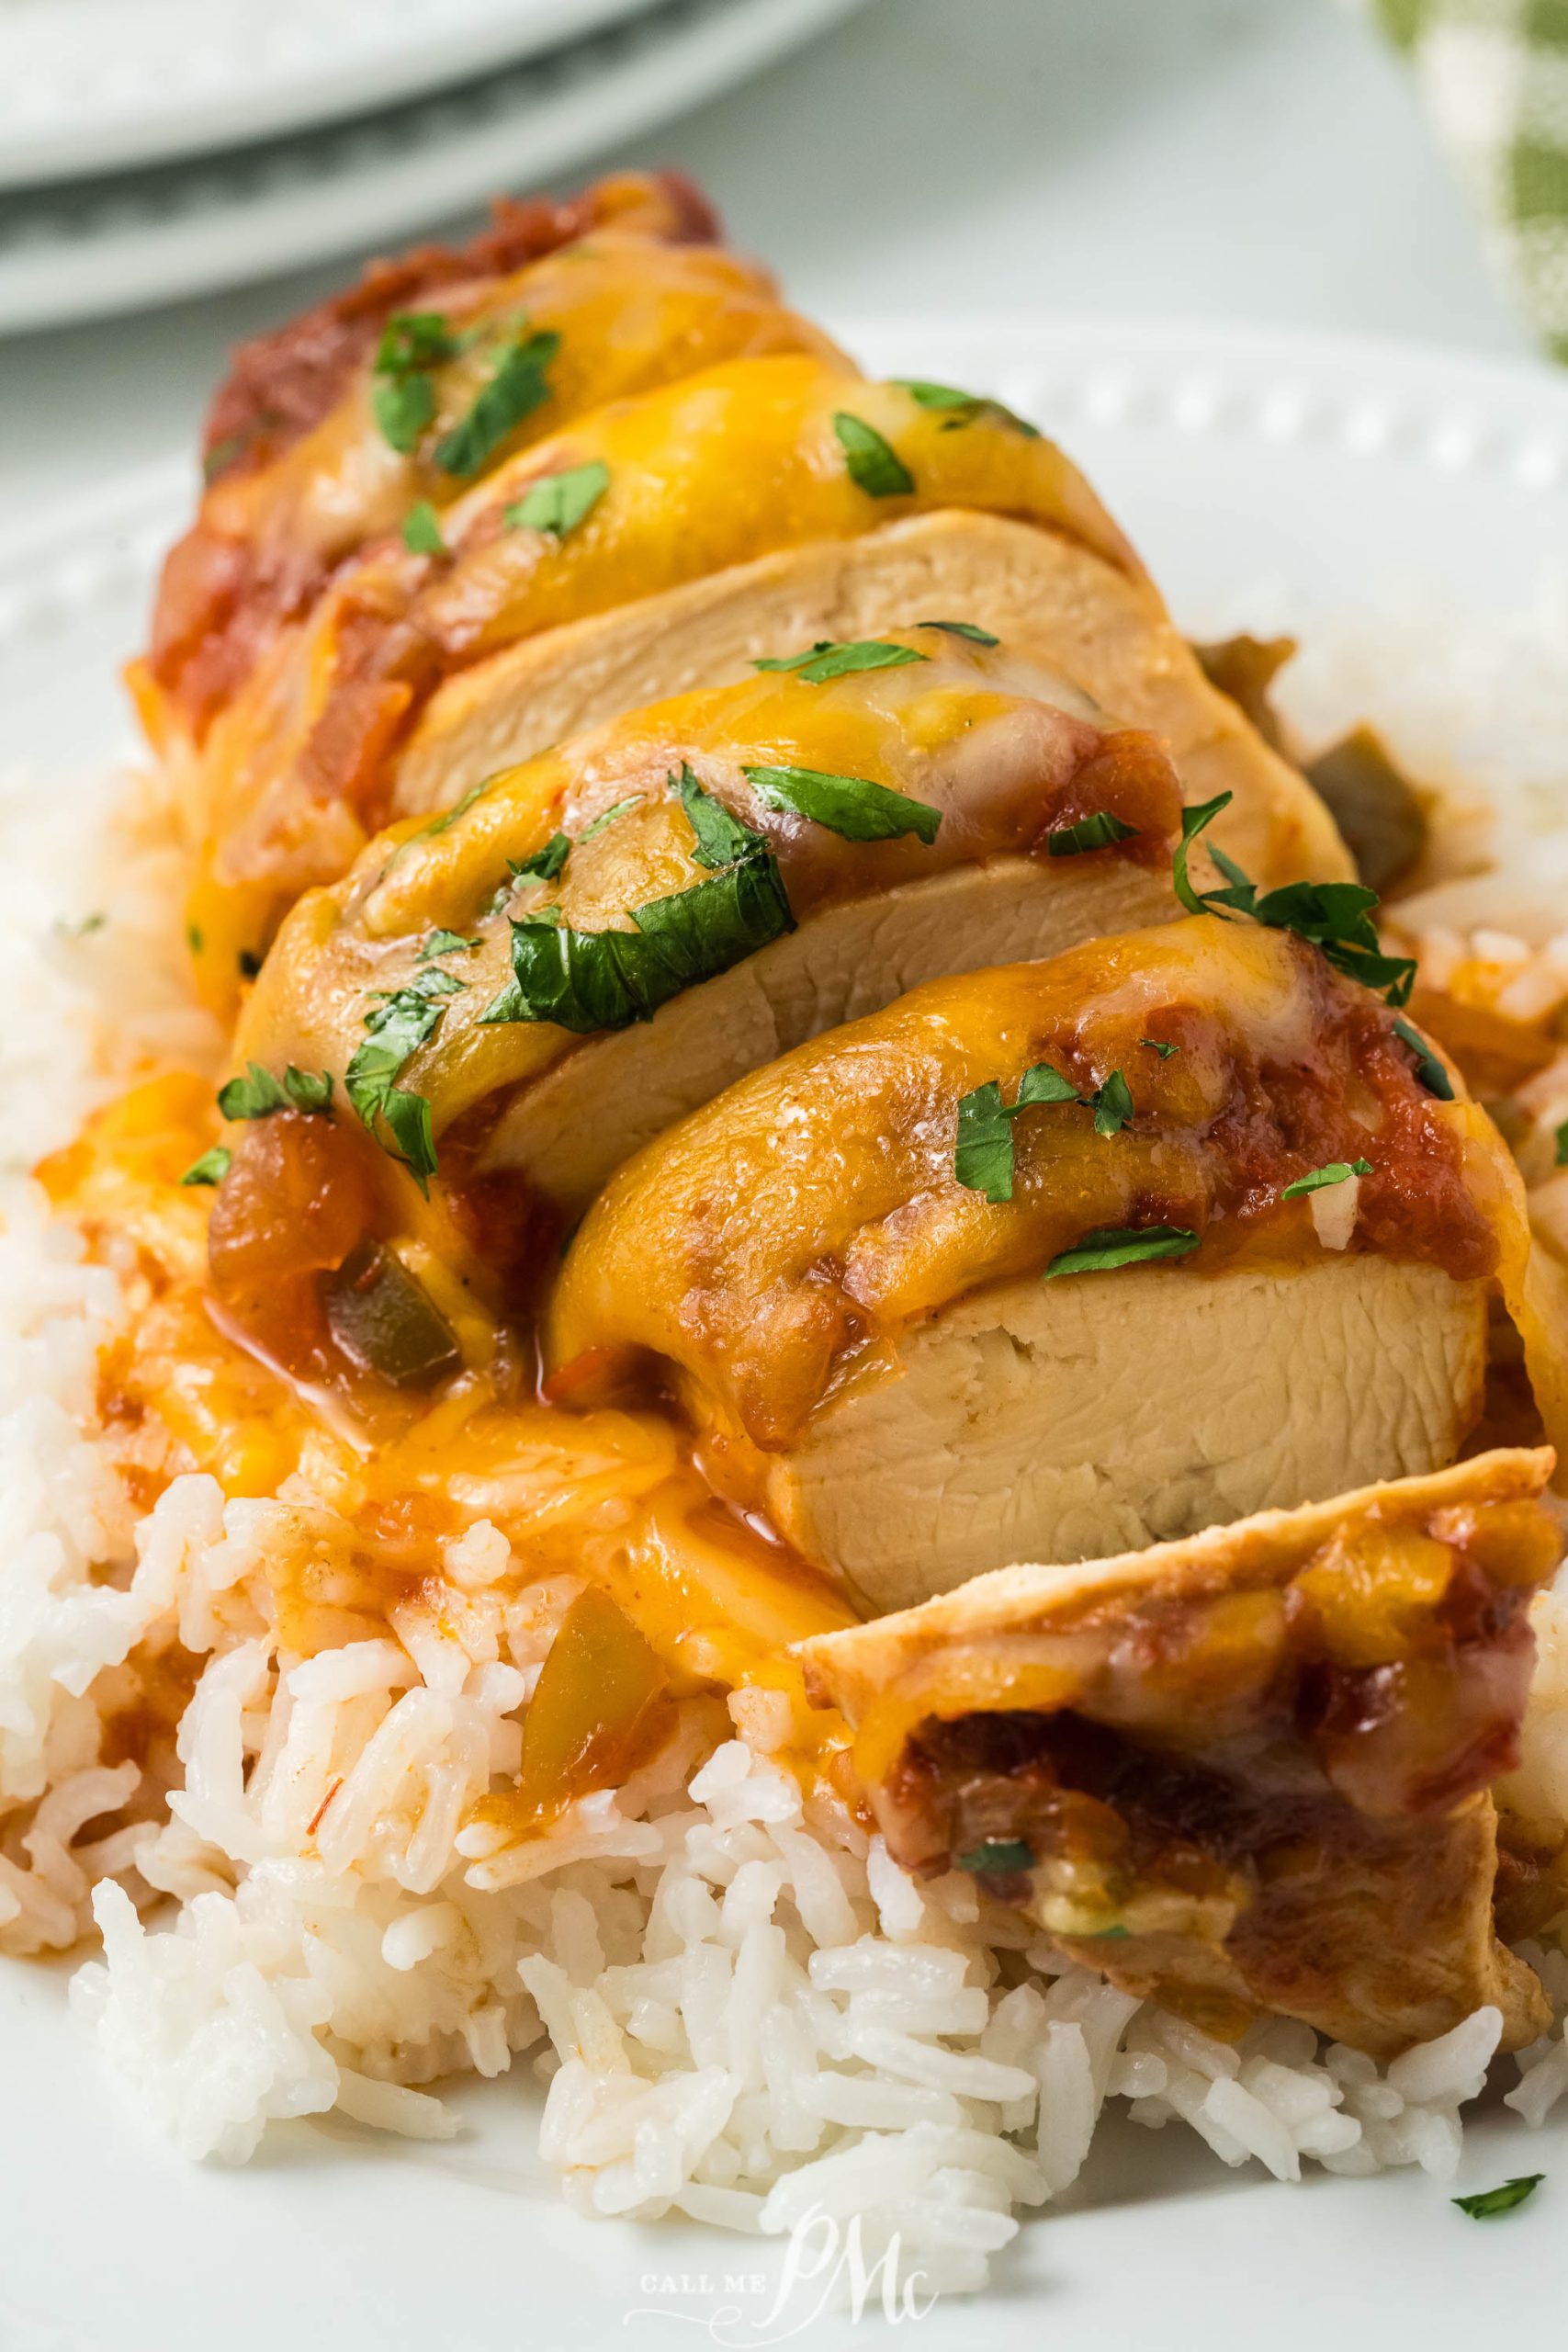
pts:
[403, 406]
[971, 630]
[1561, 1141]
[963, 408]
[545, 864]
[196, 939]
[519, 385]
[1194, 820]
[1317, 1180]
[1158, 1046]
[560, 501]
[400, 1024]
[211, 1167]
[1101, 830]
[414, 340]
[1334, 916]
[449, 817]
[997, 1854]
[721, 837]
[874, 465]
[1430, 1070]
[592, 980]
[422, 529]
[1112, 1105]
[851, 806]
[258, 1094]
[607, 817]
[1109, 1247]
[827, 659]
[1485, 2202]
[443, 943]
[983, 1154]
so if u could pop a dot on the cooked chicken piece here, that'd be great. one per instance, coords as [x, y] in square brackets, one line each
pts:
[837, 1265]
[606, 937]
[633, 499]
[300, 468]
[1046, 594]
[1243, 1773]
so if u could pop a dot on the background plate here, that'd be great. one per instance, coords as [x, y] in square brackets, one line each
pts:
[92, 247]
[1253, 473]
[93, 85]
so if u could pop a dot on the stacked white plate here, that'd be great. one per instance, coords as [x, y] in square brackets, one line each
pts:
[150, 149]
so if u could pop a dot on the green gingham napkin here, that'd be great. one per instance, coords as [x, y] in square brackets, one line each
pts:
[1493, 76]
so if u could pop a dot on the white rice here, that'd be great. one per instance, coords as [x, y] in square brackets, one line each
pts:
[742, 2007]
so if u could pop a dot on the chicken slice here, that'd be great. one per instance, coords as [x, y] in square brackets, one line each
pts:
[1046, 593]
[974, 803]
[837, 1265]
[1246, 1772]
[675, 484]
[610, 314]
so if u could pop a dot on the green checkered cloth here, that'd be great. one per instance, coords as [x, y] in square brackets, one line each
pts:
[1493, 76]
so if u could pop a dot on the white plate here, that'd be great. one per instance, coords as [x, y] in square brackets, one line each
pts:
[1317, 472]
[94, 247]
[95, 85]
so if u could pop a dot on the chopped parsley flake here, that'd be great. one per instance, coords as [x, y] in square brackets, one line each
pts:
[1158, 1046]
[1561, 1141]
[412, 341]
[1109, 1247]
[422, 529]
[997, 1854]
[400, 1024]
[1099, 829]
[1112, 1105]
[591, 980]
[195, 938]
[983, 1158]
[1485, 2202]
[827, 659]
[874, 465]
[962, 407]
[443, 943]
[448, 817]
[971, 630]
[1430, 1070]
[211, 1167]
[721, 837]
[545, 864]
[1318, 1180]
[258, 1094]
[518, 386]
[1335, 916]
[607, 817]
[851, 806]
[560, 501]
[402, 407]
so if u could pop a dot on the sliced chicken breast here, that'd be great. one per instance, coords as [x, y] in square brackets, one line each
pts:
[638, 497]
[602, 939]
[1245, 1773]
[316, 442]
[1046, 594]
[1267, 1246]
[1067, 1421]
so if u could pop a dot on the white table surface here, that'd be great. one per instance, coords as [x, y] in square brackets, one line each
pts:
[1253, 161]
